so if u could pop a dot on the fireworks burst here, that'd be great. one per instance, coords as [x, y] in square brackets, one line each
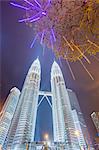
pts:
[69, 27]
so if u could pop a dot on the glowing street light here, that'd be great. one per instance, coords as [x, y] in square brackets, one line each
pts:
[46, 137]
[77, 133]
[47, 143]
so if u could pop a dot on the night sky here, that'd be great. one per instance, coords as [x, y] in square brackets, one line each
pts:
[17, 57]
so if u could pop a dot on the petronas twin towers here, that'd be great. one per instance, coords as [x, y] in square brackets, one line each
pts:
[21, 128]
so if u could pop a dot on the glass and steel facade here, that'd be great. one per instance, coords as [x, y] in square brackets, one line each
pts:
[8, 113]
[95, 118]
[78, 131]
[18, 119]
[76, 107]
[63, 125]
[27, 121]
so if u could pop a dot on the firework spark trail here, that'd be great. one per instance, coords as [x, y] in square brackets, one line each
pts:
[70, 69]
[53, 34]
[19, 6]
[43, 12]
[37, 3]
[51, 42]
[44, 49]
[27, 19]
[93, 44]
[31, 19]
[47, 4]
[35, 19]
[86, 69]
[34, 41]
[81, 52]
[68, 43]
[42, 37]
[31, 4]
[25, 8]
[60, 62]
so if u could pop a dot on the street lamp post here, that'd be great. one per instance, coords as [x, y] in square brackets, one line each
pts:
[27, 146]
[46, 138]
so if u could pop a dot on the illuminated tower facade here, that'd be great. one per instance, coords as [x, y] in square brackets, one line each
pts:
[8, 113]
[81, 129]
[63, 124]
[78, 130]
[26, 125]
[95, 118]
[18, 117]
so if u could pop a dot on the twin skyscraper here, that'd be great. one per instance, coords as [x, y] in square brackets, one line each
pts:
[18, 116]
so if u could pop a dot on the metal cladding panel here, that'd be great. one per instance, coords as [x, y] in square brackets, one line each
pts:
[8, 113]
[63, 124]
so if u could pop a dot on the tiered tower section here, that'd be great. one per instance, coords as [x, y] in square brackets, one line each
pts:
[27, 121]
[8, 113]
[63, 124]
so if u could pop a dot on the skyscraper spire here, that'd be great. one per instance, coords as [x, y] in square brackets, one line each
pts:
[55, 70]
[29, 97]
[20, 113]
[63, 125]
